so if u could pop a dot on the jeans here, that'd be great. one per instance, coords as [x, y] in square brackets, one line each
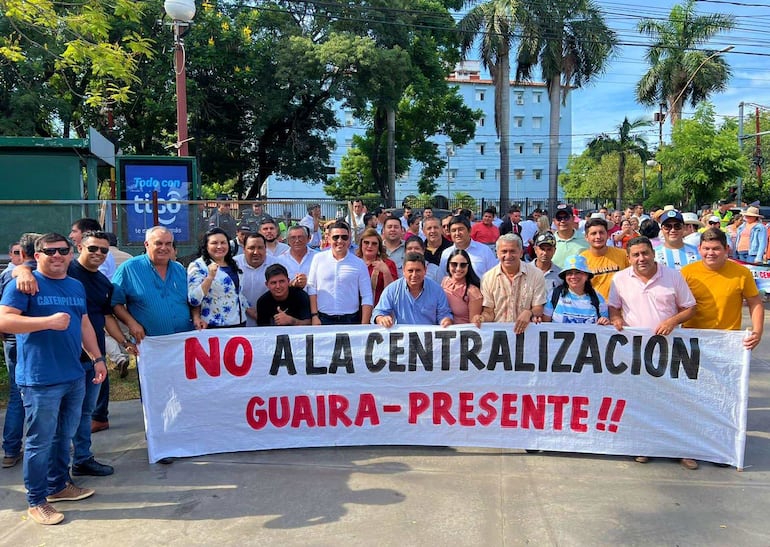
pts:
[82, 440]
[100, 410]
[13, 429]
[53, 415]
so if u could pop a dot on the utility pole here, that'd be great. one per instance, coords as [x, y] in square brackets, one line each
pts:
[758, 160]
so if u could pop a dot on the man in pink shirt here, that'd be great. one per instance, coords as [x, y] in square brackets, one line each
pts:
[650, 295]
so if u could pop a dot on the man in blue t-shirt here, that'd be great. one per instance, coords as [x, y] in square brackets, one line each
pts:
[51, 326]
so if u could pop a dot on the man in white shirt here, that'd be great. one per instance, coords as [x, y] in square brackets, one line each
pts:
[312, 221]
[338, 282]
[297, 261]
[269, 229]
[482, 257]
[253, 263]
[393, 240]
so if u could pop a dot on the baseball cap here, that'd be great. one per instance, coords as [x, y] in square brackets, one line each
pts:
[714, 219]
[545, 238]
[671, 215]
[562, 210]
[244, 227]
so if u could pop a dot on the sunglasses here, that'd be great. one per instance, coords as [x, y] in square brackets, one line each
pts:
[561, 219]
[709, 223]
[370, 243]
[94, 248]
[64, 251]
[672, 226]
[15, 252]
[460, 265]
[343, 237]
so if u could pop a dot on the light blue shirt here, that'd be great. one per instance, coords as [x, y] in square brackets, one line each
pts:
[429, 308]
[159, 305]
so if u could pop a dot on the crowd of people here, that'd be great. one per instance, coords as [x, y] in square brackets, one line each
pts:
[83, 299]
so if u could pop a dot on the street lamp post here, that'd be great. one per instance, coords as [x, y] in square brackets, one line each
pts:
[181, 13]
[450, 151]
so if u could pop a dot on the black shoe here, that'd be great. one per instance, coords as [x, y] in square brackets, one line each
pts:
[166, 461]
[93, 468]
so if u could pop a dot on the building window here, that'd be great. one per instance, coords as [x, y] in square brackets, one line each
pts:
[481, 122]
[537, 123]
[519, 98]
[537, 98]
[518, 148]
[497, 148]
[452, 174]
[537, 173]
[537, 148]
[348, 143]
[497, 175]
[518, 174]
[479, 94]
[349, 118]
[480, 148]
[481, 174]
[518, 121]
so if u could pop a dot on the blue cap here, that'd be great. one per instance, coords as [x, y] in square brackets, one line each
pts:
[671, 215]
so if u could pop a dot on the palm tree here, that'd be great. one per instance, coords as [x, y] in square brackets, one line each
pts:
[572, 43]
[493, 21]
[675, 74]
[627, 142]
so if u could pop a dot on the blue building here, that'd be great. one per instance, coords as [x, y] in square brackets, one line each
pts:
[475, 167]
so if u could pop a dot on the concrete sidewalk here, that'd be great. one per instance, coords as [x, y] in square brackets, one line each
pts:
[406, 495]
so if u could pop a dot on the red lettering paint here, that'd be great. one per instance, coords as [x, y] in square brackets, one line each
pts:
[466, 407]
[508, 410]
[579, 414]
[489, 412]
[442, 408]
[338, 406]
[418, 403]
[558, 402]
[231, 354]
[303, 412]
[533, 413]
[195, 354]
[367, 410]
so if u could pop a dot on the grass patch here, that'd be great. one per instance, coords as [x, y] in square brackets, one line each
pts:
[121, 389]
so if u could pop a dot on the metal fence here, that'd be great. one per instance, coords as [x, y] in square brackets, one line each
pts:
[189, 219]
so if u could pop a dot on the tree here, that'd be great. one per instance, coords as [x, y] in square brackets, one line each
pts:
[493, 22]
[77, 46]
[702, 160]
[678, 70]
[627, 143]
[572, 44]
[587, 176]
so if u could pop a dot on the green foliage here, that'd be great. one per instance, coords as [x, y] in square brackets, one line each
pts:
[752, 190]
[464, 200]
[77, 45]
[703, 160]
[679, 69]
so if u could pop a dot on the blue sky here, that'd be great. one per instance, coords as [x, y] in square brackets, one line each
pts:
[601, 107]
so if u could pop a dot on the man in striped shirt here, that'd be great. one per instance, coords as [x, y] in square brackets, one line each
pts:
[674, 252]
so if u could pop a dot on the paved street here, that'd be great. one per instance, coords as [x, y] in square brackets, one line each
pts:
[406, 495]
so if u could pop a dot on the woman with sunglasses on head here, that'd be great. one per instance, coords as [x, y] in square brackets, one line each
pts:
[382, 270]
[462, 287]
[214, 283]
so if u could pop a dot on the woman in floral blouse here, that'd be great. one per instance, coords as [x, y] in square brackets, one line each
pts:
[214, 284]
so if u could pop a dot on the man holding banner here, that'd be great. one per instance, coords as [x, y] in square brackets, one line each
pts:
[514, 290]
[412, 299]
[650, 296]
[720, 286]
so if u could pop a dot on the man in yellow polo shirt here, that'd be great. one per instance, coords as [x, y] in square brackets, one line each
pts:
[720, 286]
[604, 261]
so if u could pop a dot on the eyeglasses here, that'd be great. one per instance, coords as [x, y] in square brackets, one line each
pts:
[343, 237]
[561, 219]
[64, 251]
[370, 243]
[94, 248]
[461, 265]
[709, 223]
[672, 226]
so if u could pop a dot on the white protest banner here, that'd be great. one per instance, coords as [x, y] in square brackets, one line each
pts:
[577, 389]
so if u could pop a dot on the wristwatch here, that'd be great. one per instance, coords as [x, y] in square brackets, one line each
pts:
[98, 359]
